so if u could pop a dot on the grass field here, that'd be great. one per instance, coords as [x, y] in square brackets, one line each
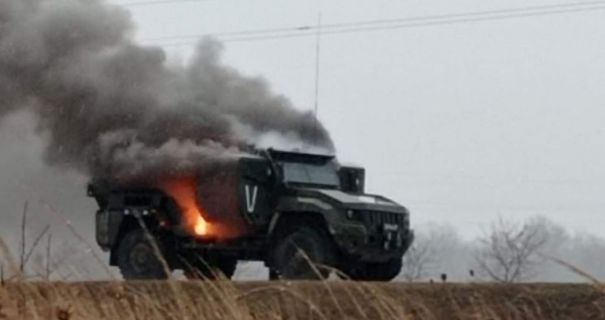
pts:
[298, 300]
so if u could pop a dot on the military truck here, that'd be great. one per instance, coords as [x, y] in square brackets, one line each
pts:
[304, 215]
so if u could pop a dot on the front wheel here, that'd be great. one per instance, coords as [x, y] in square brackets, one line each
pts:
[211, 269]
[140, 257]
[383, 271]
[304, 253]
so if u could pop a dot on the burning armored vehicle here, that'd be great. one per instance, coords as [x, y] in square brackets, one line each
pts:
[302, 214]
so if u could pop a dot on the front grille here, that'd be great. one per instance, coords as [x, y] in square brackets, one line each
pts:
[380, 218]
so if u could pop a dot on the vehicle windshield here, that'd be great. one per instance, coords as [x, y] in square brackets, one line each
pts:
[309, 173]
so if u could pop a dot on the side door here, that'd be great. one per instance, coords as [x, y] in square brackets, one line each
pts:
[256, 191]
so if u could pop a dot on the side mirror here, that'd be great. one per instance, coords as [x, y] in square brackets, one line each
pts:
[352, 179]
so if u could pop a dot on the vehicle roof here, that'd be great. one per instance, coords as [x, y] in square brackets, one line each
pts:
[299, 156]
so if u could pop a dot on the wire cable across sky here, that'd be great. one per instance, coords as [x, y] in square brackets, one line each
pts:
[157, 2]
[387, 24]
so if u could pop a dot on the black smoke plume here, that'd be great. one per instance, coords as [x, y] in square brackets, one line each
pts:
[109, 107]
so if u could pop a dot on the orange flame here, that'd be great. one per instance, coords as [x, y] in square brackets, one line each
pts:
[183, 190]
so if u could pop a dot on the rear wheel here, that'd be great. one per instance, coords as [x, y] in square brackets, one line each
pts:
[139, 258]
[304, 253]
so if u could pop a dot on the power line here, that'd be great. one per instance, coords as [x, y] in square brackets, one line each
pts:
[399, 26]
[234, 33]
[410, 25]
[470, 14]
[385, 24]
[157, 2]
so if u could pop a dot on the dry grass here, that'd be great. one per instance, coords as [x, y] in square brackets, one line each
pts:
[22, 299]
[297, 300]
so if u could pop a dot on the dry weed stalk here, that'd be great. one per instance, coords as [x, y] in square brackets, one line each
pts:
[47, 270]
[596, 283]
[281, 289]
[63, 314]
[6, 258]
[23, 238]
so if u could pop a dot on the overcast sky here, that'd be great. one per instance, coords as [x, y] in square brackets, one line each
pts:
[461, 123]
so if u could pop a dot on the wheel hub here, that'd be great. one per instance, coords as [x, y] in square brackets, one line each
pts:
[140, 257]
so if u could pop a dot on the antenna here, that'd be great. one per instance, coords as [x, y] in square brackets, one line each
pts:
[317, 70]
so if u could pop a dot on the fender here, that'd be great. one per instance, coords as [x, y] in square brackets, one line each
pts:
[287, 220]
[121, 212]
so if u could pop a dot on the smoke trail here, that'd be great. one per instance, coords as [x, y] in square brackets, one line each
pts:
[110, 107]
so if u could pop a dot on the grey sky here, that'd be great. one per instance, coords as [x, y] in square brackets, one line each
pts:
[460, 122]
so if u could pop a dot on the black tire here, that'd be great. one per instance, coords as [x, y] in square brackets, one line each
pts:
[138, 259]
[385, 271]
[210, 269]
[273, 275]
[226, 266]
[304, 254]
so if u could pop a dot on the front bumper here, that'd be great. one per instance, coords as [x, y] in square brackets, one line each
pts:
[390, 241]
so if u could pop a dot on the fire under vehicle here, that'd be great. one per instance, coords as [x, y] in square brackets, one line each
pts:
[304, 215]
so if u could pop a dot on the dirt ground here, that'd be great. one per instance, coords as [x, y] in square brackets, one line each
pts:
[298, 300]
